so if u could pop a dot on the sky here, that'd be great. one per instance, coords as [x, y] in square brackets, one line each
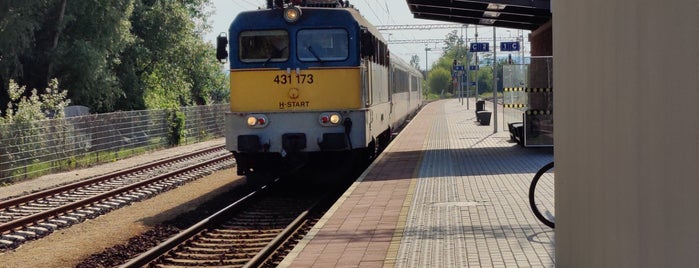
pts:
[378, 12]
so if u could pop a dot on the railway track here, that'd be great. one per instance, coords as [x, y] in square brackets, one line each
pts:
[255, 231]
[38, 214]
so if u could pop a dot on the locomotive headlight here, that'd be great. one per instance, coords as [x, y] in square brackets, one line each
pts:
[252, 121]
[329, 119]
[292, 14]
[334, 119]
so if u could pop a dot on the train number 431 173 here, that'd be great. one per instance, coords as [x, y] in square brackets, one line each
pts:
[284, 79]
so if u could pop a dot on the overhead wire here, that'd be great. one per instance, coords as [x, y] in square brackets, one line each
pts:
[401, 48]
[373, 11]
[384, 10]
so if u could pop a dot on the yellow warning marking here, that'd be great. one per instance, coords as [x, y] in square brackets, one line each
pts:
[514, 105]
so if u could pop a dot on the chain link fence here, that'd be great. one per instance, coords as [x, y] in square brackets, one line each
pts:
[32, 149]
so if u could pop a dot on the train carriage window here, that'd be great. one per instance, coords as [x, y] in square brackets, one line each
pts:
[401, 81]
[322, 45]
[264, 46]
[367, 44]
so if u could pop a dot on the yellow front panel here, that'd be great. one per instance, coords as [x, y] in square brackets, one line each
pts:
[277, 90]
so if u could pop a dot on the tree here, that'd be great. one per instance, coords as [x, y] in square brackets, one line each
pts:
[485, 79]
[452, 41]
[71, 41]
[18, 21]
[94, 37]
[454, 49]
[168, 64]
[415, 61]
[37, 64]
[439, 80]
[110, 54]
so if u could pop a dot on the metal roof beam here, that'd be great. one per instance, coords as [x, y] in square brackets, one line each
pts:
[469, 6]
[511, 17]
[469, 20]
[518, 14]
[419, 27]
[433, 41]
[538, 4]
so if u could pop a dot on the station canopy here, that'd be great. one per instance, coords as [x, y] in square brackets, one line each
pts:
[515, 14]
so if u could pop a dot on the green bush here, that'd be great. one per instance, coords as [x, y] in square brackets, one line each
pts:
[176, 127]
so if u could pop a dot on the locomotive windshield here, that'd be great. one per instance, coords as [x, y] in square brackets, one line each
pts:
[264, 46]
[322, 45]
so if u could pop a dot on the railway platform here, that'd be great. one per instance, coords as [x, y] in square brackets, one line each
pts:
[447, 192]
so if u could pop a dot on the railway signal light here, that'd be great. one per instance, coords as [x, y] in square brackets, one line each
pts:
[221, 45]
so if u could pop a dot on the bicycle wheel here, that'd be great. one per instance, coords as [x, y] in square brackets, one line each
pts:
[543, 197]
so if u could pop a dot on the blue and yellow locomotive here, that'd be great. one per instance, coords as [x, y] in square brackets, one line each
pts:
[311, 79]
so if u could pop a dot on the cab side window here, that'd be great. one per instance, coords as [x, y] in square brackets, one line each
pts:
[264, 46]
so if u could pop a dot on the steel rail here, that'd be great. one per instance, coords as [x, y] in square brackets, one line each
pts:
[38, 195]
[268, 250]
[82, 203]
[178, 239]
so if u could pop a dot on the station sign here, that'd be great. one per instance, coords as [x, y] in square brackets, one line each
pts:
[473, 67]
[458, 67]
[509, 46]
[480, 47]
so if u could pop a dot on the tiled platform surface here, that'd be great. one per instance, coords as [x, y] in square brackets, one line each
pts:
[446, 193]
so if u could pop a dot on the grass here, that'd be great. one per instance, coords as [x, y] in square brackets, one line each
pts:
[37, 169]
[489, 95]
